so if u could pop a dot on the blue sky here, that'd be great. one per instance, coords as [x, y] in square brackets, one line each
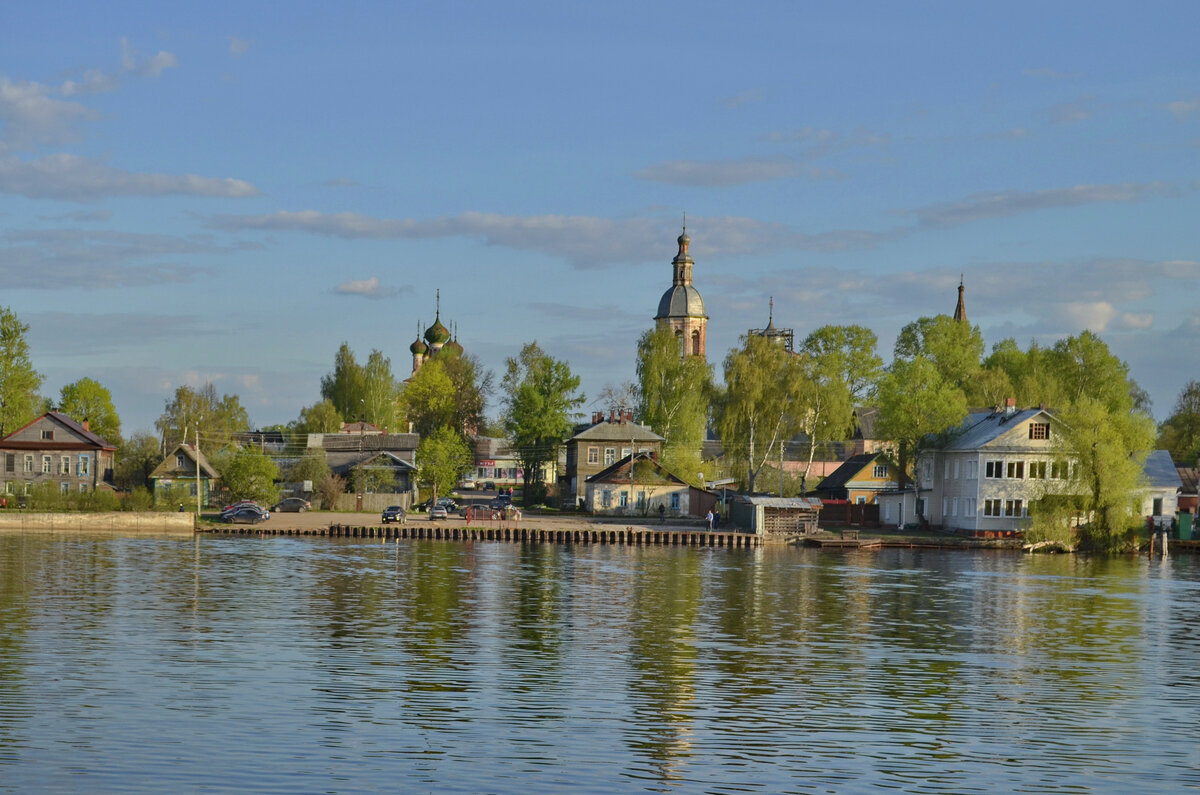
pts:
[228, 192]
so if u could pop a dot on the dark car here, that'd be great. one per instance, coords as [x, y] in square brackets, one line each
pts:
[393, 513]
[443, 502]
[489, 486]
[498, 504]
[292, 505]
[246, 514]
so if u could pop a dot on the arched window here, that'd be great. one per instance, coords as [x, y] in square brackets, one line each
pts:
[695, 343]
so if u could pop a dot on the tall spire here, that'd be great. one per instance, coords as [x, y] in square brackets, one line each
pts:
[683, 263]
[960, 311]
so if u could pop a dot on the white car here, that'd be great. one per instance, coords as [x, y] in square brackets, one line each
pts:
[467, 483]
[438, 512]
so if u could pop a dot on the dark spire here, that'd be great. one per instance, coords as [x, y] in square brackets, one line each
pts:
[960, 311]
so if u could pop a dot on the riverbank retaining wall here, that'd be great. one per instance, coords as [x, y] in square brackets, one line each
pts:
[149, 522]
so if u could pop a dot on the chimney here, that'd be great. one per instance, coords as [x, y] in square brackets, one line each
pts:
[1010, 406]
[85, 425]
[612, 415]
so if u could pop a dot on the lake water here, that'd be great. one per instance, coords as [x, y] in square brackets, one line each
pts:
[281, 664]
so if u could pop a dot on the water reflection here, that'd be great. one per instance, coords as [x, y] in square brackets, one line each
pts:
[133, 664]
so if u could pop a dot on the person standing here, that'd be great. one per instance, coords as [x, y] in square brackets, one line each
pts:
[710, 519]
[662, 513]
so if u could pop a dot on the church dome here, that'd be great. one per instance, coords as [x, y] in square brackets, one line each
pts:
[453, 347]
[437, 334]
[679, 301]
[418, 347]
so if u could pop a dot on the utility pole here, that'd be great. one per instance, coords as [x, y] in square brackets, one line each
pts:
[198, 489]
[781, 468]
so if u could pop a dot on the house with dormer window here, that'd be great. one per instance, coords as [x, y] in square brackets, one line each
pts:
[55, 449]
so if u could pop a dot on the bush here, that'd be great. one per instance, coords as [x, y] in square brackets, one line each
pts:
[139, 499]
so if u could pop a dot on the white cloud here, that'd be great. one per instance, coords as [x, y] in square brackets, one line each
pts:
[1182, 108]
[1090, 315]
[238, 47]
[366, 288]
[1072, 112]
[1132, 320]
[1003, 204]
[748, 96]
[720, 173]
[149, 67]
[74, 178]
[32, 116]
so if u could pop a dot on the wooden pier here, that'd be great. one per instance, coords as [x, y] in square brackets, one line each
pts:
[629, 536]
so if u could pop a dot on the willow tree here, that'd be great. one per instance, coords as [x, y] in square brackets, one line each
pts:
[19, 382]
[916, 404]
[674, 393]
[761, 405]
[1180, 432]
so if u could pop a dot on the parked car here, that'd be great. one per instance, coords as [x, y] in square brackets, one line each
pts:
[498, 504]
[246, 514]
[489, 486]
[438, 512]
[445, 502]
[467, 483]
[393, 513]
[292, 505]
[242, 504]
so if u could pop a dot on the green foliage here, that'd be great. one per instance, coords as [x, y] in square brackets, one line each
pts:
[540, 395]
[191, 409]
[362, 392]
[1085, 368]
[428, 399]
[674, 392]
[442, 457]
[139, 499]
[47, 496]
[762, 404]
[87, 401]
[1180, 433]
[847, 355]
[321, 417]
[19, 382]
[251, 475]
[171, 497]
[915, 402]
[374, 476]
[137, 457]
[954, 348]
[1053, 519]
[1108, 449]
[310, 466]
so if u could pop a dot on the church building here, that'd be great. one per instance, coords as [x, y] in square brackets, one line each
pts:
[437, 339]
[681, 307]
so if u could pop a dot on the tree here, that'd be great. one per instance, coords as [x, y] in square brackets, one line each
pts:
[309, 467]
[761, 405]
[380, 389]
[1086, 368]
[540, 394]
[344, 387]
[954, 348]
[442, 457]
[448, 391]
[1107, 449]
[87, 401]
[674, 397]
[19, 382]
[191, 409]
[828, 413]
[251, 475]
[847, 353]
[322, 417]
[137, 457]
[1180, 433]
[916, 403]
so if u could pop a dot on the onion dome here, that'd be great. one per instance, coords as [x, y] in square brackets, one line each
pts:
[437, 334]
[453, 347]
[418, 347]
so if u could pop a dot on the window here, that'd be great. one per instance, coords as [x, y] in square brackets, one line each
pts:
[927, 470]
[48, 435]
[1058, 470]
[956, 469]
[85, 465]
[10, 462]
[972, 469]
[1037, 470]
[695, 343]
[181, 460]
[64, 487]
[1013, 508]
[606, 498]
[64, 466]
[994, 469]
[945, 506]
[610, 456]
[83, 488]
[991, 507]
[860, 500]
[593, 455]
[1039, 430]
[969, 508]
[947, 473]
[954, 506]
[1016, 469]
[28, 464]
[9, 487]
[641, 501]
[624, 499]
[47, 465]
[675, 501]
[624, 452]
[880, 471]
